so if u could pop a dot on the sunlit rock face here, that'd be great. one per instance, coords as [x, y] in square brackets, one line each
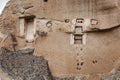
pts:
[77, 37]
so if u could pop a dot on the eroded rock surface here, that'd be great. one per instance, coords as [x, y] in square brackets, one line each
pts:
[22, 65]
[115, 76]
[53, 22]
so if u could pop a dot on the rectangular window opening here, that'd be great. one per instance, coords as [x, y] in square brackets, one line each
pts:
[77, 39]
[27, 28]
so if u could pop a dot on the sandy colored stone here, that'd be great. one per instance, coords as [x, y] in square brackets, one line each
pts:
[52, 34]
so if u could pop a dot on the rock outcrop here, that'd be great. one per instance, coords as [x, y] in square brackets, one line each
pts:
[77, 37]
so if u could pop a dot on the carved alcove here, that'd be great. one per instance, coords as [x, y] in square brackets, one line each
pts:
[27, 28]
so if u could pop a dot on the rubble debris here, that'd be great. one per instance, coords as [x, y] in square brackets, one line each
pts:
[26, 51]
[42, 34]
[4, 76]
[24, 67]
[115, 76]
[80, 78]
[70, 78]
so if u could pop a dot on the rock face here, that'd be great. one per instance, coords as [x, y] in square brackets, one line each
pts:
[22, 65]
[77, 37]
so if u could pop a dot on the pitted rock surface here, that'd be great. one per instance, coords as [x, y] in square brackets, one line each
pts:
[115, 76]
[24, 66]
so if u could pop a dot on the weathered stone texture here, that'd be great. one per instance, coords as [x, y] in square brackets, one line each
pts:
[52, 32]
[22, 65]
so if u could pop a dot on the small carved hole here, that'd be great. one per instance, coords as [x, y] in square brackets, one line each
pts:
[78, 68]
[82, 63]
[95, 61]
[79, 20]
[45, 0]
[77, 64]
[67, 20]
